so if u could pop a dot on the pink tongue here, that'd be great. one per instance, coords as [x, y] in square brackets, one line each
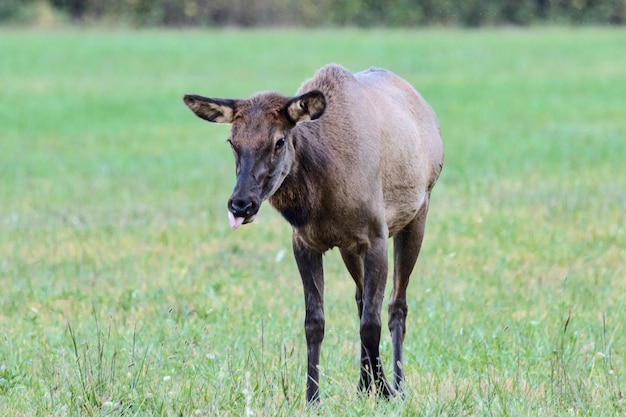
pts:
[235, 222]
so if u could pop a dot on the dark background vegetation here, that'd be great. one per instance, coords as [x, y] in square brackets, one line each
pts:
[247, 13]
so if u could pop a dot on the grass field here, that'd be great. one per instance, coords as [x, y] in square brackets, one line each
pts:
[124, 292]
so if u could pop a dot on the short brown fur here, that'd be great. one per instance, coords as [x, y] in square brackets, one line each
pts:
[349, 161]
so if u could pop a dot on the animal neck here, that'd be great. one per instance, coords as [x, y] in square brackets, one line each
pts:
[299, 195]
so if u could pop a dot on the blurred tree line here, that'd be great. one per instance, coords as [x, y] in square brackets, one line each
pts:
[246, 13]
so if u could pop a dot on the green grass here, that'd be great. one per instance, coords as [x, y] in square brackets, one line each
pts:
[123, 291]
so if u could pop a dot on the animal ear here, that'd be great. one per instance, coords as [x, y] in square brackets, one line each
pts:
[216, 110]
[308, 106]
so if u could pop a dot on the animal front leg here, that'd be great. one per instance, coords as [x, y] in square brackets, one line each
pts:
[375, 277]
[354, 264]
[312, 274]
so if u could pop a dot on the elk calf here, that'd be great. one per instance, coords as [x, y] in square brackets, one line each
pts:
[349, 162]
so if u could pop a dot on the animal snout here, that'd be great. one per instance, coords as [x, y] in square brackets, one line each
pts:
[243, 207]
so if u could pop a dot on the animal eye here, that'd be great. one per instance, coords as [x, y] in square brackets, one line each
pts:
[280, 143]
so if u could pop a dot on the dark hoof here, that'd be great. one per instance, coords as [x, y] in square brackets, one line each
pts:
[383, 389]
[369, 384]
[365, 382]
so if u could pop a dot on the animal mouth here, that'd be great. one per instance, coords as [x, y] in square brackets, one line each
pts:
[236, 222]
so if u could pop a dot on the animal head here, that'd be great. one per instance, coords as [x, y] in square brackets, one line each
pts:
[261, 141]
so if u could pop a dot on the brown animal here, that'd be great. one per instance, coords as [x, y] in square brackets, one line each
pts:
[349, 162]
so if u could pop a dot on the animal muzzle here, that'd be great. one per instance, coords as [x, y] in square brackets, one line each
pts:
[242, 210]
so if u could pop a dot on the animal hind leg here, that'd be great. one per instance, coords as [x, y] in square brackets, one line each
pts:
[406, 248]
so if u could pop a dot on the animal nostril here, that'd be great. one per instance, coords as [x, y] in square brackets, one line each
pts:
[240, 206]
[243, 207]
